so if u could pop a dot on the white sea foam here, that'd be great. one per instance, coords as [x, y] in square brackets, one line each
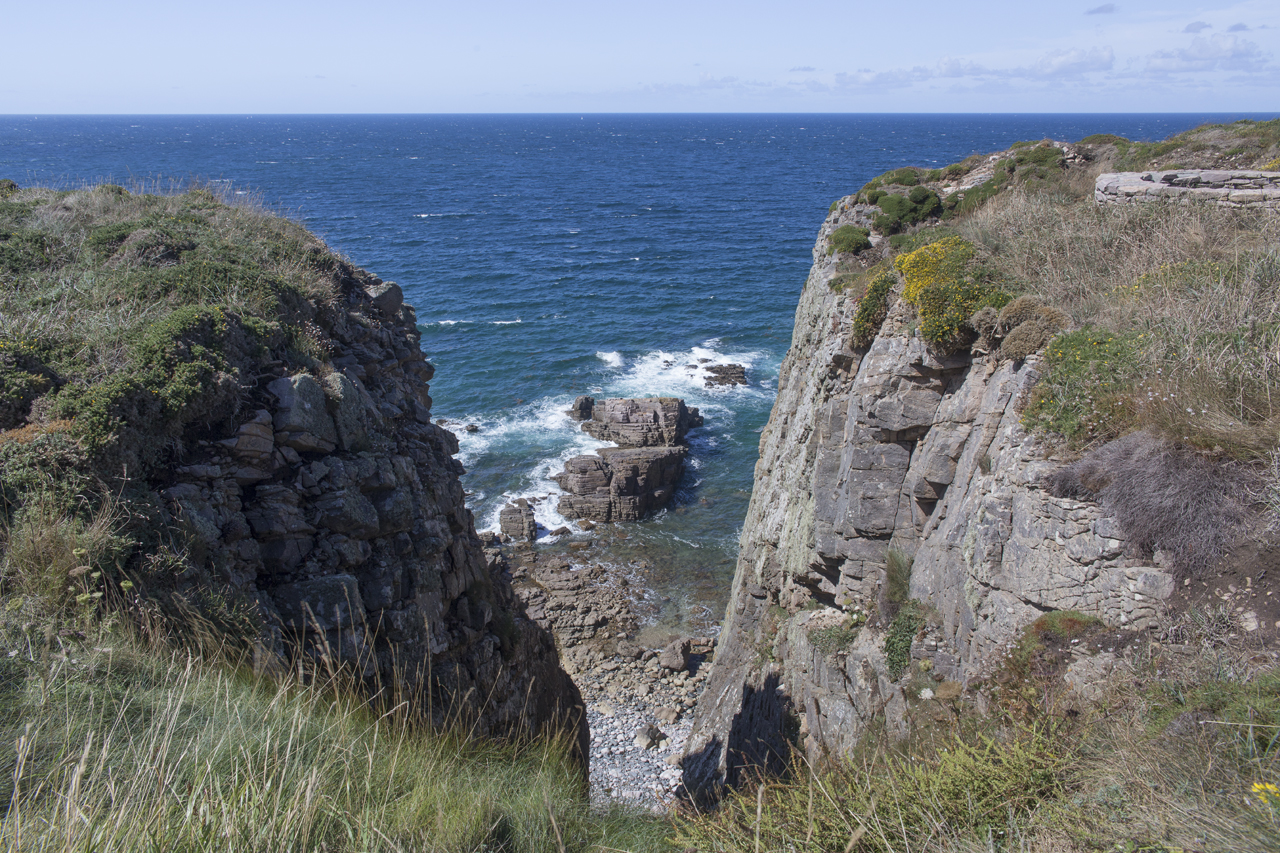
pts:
[613, 359]
[683, 374]
[545, 428]
[507, 322]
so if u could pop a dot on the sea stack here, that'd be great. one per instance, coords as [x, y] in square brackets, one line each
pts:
[638, 477]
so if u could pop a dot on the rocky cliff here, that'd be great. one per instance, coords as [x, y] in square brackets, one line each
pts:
[258, 410]
[878, 461]
[335, 503]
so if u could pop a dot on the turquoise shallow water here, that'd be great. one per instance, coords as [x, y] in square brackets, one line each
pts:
[551, 256]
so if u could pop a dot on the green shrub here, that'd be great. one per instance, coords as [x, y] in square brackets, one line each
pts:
[906, 243]
[873, 308]
[1028, 338]
[7, 188]
[105, 239]
[852, 283]
[874, 196]
[908, 176]
[902, 632]
[898, 212]
[834, 205]
[23, 252]
[849, 239]
[946, 306]
[1102, 139]
[1083, 392]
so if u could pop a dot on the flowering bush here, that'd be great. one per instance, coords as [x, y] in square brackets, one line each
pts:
[936, 263]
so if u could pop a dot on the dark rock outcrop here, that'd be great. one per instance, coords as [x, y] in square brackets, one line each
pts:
[726, 374]
[332, 503]
[581, 408]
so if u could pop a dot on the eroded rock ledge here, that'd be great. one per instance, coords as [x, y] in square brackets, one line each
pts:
[1248, 189]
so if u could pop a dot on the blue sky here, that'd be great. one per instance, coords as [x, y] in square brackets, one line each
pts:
[319, 56]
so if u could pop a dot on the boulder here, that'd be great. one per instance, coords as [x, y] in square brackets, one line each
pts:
[516, 520]
[302, 418]
[581, 408]
[387, 297]
[649, 737]
[675, 656]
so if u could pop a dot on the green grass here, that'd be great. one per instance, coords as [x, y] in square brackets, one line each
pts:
[902, 631]
[119, 308]
[117, 747]
[833, 638]
[965, 792]
[897, 577]
[1084, 393]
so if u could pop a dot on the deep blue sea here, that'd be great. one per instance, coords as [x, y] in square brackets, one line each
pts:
[551, 256]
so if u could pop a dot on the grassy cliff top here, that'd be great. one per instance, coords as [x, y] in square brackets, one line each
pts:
[1172, 311]
[130, 321]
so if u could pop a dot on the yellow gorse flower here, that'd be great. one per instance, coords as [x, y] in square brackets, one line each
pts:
[931, 264]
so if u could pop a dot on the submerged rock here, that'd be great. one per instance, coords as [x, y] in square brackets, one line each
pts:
[726, 374]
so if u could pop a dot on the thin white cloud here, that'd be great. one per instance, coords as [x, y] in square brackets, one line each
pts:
[1067, 63]
[1104, 9]
[1196, 26]
[1056, 64]
[804, 68]
[1238, 28]
[1217, 52]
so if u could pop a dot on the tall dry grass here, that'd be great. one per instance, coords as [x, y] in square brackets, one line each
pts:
[1195, 286]
[119, 748]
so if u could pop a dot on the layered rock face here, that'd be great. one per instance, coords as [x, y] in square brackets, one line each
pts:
[645, 422]
[628, 482]
[335, 505]
[1249, 189]
[891, 448]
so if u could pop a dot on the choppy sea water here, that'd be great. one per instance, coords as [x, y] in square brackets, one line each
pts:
[551, 256]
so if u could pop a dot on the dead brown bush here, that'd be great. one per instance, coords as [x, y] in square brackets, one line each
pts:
[1165, 498]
